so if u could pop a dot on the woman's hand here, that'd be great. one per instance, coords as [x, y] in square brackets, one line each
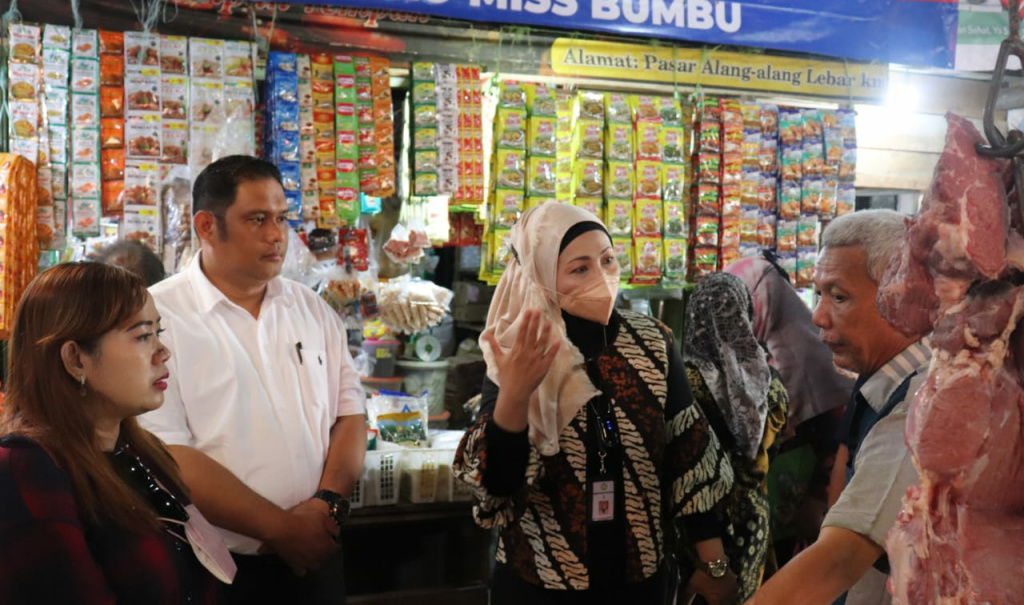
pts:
[522, 369]
[720, 591]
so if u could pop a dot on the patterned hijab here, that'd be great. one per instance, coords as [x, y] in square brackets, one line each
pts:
[720, 343]
[782, 322]
[529, 283]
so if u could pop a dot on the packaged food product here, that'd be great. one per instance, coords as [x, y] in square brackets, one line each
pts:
[85, 110]
[732, 168]
[848, 167]
[510, 169]
[846, 200]
[510, 129]
[673, 145]
[674, 217]
[709, 168]
[769, 118]
[542, 176]
[111, 133]
[508, 205]
[792, 163]
[706, 231]
[673, 183]
[207, 101]
[791, 128]
[56, 67]
[648, 142]
[710, 137]
[542, 136]
[646, 109]
[705, 261]
[731, 201]
[619, 144]
[590, 204]
[767, 194]
[502, 239]
[24, 43]
[589, 178]
[57, 142]
[56, 106]
[748, 228]
[648, 180]
[174, 98]
[786, 236]
[768, 156]
[590, 139]
[619, 218]
[511, 95]
[85, 145]
[85, 180]
[807, 232]
[617, 108]
[619, 181]
[112, 165]
[648, 259]
[540, 99]
[142, 93]
[173, 55]
[142, 134]
[238, 60]
[790, 201]
[85, 217]
[648, 218]
[591, 106]
[56, 36]
[729, 235]
[624, 255]
[111, 43]
[670, 111]
[708, 201]
[810, 202]
[806, 260]
[206, 59]
[675, 258]
[766, 231]
[24, 82]
[141, 50]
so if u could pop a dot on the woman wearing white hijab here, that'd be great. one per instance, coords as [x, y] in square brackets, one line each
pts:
[588, 442]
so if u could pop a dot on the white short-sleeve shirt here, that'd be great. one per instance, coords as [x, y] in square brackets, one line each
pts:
[260, 395]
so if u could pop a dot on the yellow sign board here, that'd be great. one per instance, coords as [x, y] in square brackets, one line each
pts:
[718, 69]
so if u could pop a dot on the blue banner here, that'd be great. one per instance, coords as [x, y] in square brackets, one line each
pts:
[909, 32]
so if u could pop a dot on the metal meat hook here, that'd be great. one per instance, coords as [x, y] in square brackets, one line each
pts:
[1011, 145]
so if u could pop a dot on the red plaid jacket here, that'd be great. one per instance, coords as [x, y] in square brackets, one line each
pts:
[48, 555]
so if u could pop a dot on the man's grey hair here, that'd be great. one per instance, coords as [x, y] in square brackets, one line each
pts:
[880, 232]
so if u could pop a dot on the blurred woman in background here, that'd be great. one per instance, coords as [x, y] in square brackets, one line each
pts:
[93, 507]
[799, 478]
[746, 405]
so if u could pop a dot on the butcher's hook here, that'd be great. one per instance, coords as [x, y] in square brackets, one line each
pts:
[1011, 145]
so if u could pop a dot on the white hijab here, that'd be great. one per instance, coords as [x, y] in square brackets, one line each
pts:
[530, 284]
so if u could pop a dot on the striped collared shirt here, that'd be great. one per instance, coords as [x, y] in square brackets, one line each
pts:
[877, 389]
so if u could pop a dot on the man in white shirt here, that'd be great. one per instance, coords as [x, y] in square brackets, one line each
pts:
[264, 412]
[848, 559]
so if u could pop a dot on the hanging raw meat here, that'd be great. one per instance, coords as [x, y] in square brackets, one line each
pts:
[960, 537]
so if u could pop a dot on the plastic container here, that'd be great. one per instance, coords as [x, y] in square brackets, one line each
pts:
[426, 474]
[372, 385]
[429, 376]
[379, 485]
[383, 354]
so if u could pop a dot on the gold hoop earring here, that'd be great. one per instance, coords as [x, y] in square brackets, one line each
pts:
[81, 388]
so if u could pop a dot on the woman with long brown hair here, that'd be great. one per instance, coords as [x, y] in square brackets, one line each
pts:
[92, 507]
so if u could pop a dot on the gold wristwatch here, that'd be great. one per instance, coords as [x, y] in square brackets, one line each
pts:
[716, 569]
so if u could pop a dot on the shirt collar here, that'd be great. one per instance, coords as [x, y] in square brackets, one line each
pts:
[877, 389]
[208, 296]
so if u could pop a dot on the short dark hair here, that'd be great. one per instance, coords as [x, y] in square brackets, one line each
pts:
[135, 257]
[217, 185]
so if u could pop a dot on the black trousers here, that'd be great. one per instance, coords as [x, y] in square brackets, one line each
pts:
[508, 589]
[268, 579]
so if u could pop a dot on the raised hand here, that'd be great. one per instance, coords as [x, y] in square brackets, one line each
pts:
[522, 368]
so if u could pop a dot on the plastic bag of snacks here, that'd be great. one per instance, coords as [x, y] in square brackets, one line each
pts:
[412, 306]
[399, 418]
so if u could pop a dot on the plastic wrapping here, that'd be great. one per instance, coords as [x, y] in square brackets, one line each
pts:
[411, 306]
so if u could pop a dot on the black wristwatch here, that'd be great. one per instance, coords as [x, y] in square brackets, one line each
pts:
[716, 569]
[339, 506]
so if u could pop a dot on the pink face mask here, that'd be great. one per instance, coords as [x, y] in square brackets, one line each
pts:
[594, 301]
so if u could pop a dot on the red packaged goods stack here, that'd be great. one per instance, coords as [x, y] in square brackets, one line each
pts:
[19, 243]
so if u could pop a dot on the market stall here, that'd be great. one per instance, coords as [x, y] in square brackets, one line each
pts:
[409, 144]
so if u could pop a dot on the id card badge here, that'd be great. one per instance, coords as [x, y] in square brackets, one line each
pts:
[602, 505]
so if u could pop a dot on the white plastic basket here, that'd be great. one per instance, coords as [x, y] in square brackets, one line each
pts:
[379, 484]
[420, 476]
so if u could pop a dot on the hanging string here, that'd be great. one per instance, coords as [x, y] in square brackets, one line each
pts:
[147, 12]
[76, 14]
[167, 18]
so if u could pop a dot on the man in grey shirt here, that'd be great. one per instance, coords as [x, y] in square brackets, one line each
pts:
[849, 555]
